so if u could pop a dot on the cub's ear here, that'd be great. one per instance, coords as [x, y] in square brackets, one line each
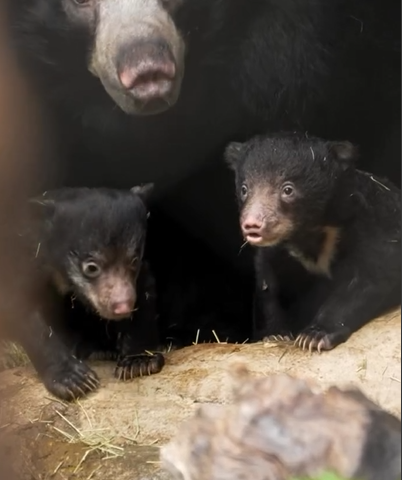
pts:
[41, 208]
[345, 153]
[40, 213]
[143, 191]
[233, 154]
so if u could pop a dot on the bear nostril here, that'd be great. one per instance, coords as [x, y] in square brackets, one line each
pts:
[123, 308]
[147, 71]
[251, 226]
[149, 74]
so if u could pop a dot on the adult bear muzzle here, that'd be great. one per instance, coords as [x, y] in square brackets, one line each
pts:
[147, 70]
[138, 55]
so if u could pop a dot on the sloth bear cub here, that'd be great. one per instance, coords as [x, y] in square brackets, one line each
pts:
[95, 294]
[326, 237]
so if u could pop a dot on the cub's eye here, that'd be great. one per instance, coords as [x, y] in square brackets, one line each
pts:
[91, 269]
[243, 191]
[288, 190]
[81, 3]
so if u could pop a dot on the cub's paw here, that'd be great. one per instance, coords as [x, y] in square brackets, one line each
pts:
[131, 366]
[70, 379]
[319, 339]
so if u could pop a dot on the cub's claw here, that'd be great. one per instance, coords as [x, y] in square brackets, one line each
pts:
[132, 366]
[316, 339]
[71, 379]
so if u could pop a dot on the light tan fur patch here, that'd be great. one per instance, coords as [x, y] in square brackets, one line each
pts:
[322, 266]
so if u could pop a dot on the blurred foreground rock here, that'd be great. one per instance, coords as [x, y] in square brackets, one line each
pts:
[278, 428]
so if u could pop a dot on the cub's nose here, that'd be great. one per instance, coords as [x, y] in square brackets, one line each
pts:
[252, 229]
[252, 226]
[123, 308]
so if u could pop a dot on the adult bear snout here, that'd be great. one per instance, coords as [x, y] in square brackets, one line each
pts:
[138, 54]
[147, 70]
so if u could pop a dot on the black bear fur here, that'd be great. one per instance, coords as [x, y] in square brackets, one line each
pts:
[327, 237]
[331, 68]
[88, 246]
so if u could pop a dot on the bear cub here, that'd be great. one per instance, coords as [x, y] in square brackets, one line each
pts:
[326, 237]
[96, 293]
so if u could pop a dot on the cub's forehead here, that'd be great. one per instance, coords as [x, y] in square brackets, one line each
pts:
[273, 169]
[107, 251]
[97, 229]
[113, 253]
[279, 157]
[99, 209]
[277, 148]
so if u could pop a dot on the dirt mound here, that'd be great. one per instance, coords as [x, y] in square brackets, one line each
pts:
[148, 411]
